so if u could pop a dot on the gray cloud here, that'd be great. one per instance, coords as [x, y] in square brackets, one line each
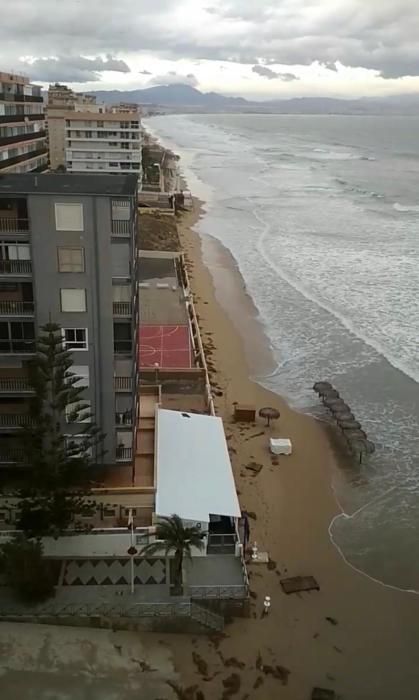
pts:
[173, 78]
[145, 72]
[73, 69]
[273, 75]
[379, 35]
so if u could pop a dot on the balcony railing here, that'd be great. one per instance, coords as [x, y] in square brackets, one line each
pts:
[12, 456]
[15, 267]
[122, 308]
[15, 384]
[123, 454]
[24, 157]
[16, 308]
[121, 228]
[122, 347]
[123, 418]
[10, 225]
[122, 383]
[21, 138]
[14, 420]
[17, 347]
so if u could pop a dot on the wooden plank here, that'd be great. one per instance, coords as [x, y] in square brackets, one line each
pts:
[297, 584]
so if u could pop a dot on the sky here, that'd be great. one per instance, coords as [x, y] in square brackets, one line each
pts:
[258, 49]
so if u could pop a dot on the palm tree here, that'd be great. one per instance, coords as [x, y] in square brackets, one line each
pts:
[173, 536]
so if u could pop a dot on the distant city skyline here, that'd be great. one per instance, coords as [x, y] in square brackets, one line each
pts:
[259, 50]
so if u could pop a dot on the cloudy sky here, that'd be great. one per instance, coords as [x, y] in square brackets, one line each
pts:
[256, 48]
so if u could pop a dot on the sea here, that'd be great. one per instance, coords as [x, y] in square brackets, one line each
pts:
[321, 214]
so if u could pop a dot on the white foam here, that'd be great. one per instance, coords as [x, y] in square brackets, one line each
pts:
[406, 208]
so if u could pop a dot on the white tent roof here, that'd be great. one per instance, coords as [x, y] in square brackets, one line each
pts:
[194, 475]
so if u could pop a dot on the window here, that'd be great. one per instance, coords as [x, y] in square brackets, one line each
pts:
[78, 412]
[75, 338]
[76, 447]
[73, 300]
[70, 259]
[82, 374]
[122, 334]
[69, 217]
[122, 292]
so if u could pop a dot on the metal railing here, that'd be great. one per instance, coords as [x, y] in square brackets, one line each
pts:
[13, 225]
[121, 228]
[222, 543]
[122, 308]
[17, 308]
[122, 383]
[218, 592]
[18, 347]
[128, 608]
[15, 267]
[123, 418]
[14, 384]
[123, 454]
[15, 420]
[12, 456]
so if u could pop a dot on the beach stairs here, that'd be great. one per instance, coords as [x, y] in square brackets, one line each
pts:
[207, 618]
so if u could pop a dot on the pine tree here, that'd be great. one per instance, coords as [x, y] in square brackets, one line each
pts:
[60, 468]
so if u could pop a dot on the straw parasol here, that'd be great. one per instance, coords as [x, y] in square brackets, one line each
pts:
[330, 394]
[334, 404]
[358, 433]
[343, 415]
[370, 447]
[320, 387]
[270, 414]
[358, 445]
[348, 424]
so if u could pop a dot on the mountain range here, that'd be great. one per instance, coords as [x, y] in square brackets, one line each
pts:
[180, 97]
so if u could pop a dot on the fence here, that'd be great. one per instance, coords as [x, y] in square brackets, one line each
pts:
[15, 267]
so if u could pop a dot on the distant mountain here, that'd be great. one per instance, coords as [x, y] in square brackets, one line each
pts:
[171, 96]
[183, 98]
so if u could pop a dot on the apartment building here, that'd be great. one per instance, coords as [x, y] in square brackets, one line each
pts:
[62, 99]
[67, 254]
[23, 145]
[104, 143]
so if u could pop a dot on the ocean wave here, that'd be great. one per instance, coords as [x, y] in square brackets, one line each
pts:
[358, 190]
[324, 154]
[406, 208]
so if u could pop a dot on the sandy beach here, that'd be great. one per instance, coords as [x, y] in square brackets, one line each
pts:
[354, 636]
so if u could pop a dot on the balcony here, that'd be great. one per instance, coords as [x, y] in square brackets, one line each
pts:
[14, 225]
[22, 118]
[15, 420]
[123, 454]
[20, 138]
[123, 418]
[122, 347]
[23, 158]
[121, 228]
[15, 267]
[11, 456]
[15, 385]
[10, 346]
[122, 383]
[122, 308]
[17, 308]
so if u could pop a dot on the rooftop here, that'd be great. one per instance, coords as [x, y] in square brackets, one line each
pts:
[194, 474]
[66, 183]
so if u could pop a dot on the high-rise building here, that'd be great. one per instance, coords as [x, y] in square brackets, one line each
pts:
[22, 126]
[68, 255]
[104, 143]
[62, 99]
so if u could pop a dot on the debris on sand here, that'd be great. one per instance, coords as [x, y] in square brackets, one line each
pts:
[200, 664]
[254, 467]
[258, 682]
[332, 620]
[271, 565]
[232, 686]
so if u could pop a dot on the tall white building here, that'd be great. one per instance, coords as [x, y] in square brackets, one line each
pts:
[103, 143]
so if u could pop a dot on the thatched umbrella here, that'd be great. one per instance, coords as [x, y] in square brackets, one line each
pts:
[355, 434]
[358, 445]
[343, 415]
[348, 424]
[320, 387]
[270, 414]
[340, 407]
[334, 404]
[370, 447]
[330, 394]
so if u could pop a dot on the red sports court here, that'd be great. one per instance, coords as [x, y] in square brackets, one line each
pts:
[169, 347]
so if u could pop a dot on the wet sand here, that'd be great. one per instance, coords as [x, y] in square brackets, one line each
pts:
[354, 636]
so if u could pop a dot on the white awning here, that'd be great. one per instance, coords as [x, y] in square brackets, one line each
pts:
[194, 475]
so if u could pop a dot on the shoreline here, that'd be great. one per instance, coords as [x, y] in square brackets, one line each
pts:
[295, 506]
